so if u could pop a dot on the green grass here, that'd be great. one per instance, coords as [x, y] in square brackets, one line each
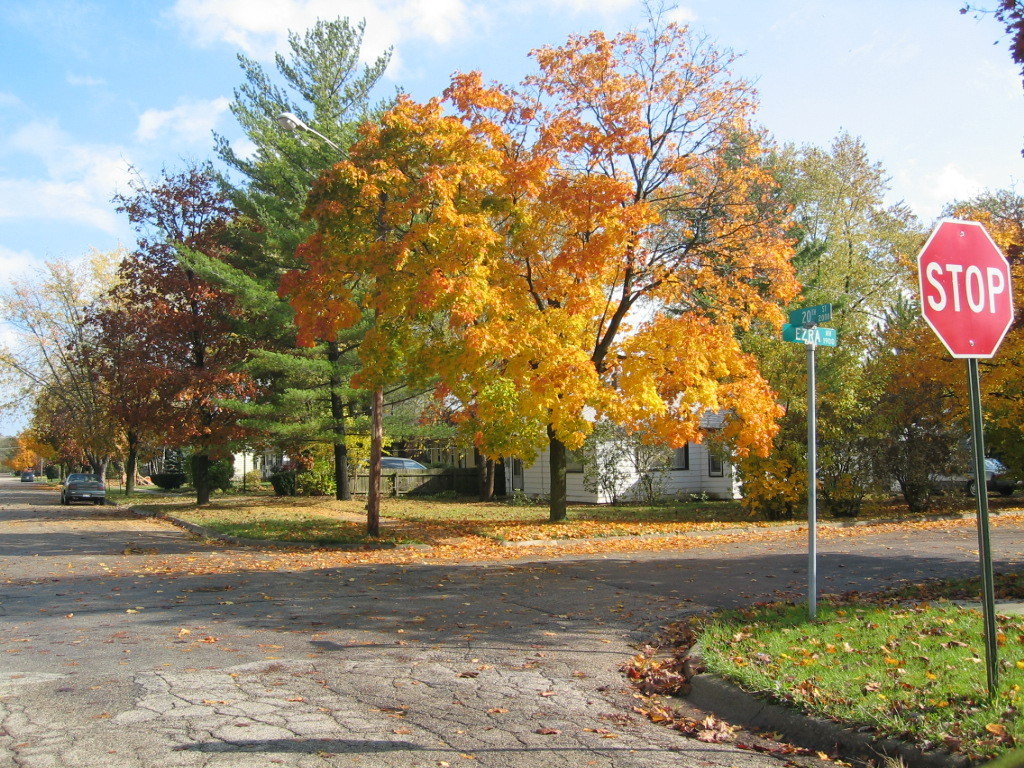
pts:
[914, 671]
[310, 529]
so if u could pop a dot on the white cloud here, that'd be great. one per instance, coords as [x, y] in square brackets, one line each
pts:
[682, 15]
[79, 181]
[244, 148]
[15, 264]
[85, 80]
[260, 27]
[190, 121]
[928, 193]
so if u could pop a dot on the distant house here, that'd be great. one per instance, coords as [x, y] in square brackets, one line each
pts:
[693, 469]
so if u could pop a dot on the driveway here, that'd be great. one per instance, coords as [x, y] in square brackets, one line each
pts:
[128, 643]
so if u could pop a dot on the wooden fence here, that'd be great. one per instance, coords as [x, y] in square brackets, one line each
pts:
[407, 482]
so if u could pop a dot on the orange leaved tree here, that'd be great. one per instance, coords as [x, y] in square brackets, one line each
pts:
[607, 231]
[1002, 377]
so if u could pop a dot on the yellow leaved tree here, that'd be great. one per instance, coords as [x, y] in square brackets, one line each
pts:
[586, 245]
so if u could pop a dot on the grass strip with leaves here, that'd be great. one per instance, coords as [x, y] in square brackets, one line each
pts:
[910, 671]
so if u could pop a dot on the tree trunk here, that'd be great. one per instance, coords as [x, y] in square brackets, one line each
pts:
[341, 489]
[131, 464]
[488, 480]
[376, 441]
[201, 477]
[97, 465]
[556, 466]
[481, 474]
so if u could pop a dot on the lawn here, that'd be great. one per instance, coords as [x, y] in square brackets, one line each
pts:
[913, 670]
[438, 521]
[323, 520]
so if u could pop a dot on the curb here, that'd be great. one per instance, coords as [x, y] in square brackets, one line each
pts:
[736, 706]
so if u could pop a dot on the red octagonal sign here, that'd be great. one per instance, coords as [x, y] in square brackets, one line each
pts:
[966, 295]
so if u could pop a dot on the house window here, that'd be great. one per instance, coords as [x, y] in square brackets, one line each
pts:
[574, 461]
[716, 467]
[681, 457]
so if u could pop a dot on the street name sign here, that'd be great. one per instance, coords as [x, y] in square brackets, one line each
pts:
[965, 288]
[822, 337]
[803, 328]
[808, 316]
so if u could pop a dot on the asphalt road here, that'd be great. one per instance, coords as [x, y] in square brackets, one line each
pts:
[127, 643]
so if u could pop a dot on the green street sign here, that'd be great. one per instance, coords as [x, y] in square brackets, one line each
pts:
[822, 337]
[808, 316]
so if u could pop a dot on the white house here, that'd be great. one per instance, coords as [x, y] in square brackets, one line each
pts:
[693, 469]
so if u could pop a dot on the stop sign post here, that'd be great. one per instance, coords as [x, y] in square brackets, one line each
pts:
[967, 299]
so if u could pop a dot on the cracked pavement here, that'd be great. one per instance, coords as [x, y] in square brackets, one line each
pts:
[112, 661]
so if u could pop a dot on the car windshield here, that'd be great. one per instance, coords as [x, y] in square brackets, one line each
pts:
[76, 477]
[395, 462]
[994, 465]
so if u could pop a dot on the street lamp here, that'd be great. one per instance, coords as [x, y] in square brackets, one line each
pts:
[292, 122]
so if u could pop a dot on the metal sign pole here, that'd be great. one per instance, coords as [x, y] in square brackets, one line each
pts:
[988, 600]
[812, 483]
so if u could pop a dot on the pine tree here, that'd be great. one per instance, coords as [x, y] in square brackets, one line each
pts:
[321, 80]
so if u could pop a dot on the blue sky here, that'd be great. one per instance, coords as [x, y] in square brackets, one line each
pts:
[89, 89]
[92, 88]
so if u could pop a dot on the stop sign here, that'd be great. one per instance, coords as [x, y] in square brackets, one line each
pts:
[965, 288]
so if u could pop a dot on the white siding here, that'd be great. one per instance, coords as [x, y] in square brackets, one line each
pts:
[675, 483]
[697, 479]
[537, 482]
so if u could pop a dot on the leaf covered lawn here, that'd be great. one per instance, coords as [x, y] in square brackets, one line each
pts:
[911, 671]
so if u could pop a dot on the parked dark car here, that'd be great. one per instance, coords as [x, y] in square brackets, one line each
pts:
[83, 487]
[28, 477]
[997, 478]
[395, 462]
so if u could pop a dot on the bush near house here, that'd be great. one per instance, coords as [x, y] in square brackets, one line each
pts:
[168, 481]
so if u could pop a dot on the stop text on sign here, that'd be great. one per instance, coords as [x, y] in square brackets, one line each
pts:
[969, 287]
[966, 289]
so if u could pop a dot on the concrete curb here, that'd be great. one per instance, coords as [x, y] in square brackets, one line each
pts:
[738, 707]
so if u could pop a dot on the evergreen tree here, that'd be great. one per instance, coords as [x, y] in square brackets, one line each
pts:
[321, 80]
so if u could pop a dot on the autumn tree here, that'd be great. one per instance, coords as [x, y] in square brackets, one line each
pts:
[47, 355]
[182, 326]
[587, 245]
[1002, 377]
[30, 452]
[144, 390]
[852, 252]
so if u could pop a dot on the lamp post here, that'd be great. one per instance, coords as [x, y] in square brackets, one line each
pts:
[292, 122]
[289, 121]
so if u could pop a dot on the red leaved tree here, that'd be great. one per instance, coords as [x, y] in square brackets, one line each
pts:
[186, 356]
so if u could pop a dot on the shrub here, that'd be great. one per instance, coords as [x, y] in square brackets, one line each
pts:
[52, 472]
[774, 487]
[284, 482]
[317, 481]
[222, 474]
[520, 499]
[168, 481]
[253, 479]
